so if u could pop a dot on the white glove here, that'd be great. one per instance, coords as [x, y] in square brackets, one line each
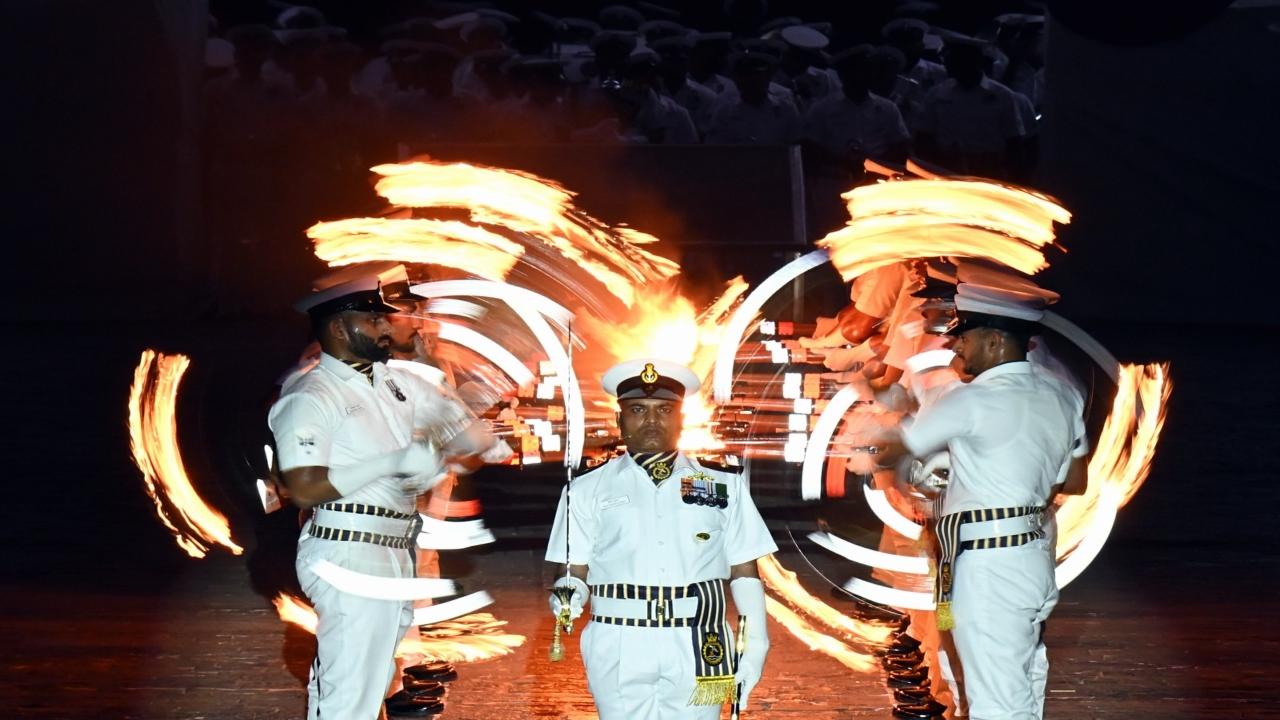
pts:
[499, 452]
[417, 484]
[748, 598]
[923, 473]
[576, 602]
[416, 458]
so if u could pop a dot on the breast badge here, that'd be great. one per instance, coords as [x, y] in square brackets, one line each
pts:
[700, 489]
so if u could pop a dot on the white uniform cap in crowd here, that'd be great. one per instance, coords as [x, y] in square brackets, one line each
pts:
[219, 53]
[650, 378]
[804, 37]
[643, 56]
[955, 39]
[903, 25]
[655, 29]
[362, 294]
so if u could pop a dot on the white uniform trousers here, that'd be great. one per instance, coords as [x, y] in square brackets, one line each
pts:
[642, 673]
[1000, 599]
[356, 640]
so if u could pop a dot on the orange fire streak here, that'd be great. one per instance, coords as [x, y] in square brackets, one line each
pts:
[153, 438]
[783, 582]
[470, 638]
[440, 242]
[899, 219]
[534, 207]
[1123, 452]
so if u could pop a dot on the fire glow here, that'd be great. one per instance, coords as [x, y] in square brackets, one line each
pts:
[783, 582]
[153, 438]
[470, 638]
[909, 218]
[1122, 454]
[532, 208]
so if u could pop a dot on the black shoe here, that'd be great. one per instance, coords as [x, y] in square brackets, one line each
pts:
[910, 712]
[912, 696]
[903, 640]
[930, 706]
[414, 707]
[423, 688]
[438, 670]
[912, 680]
[910, 657]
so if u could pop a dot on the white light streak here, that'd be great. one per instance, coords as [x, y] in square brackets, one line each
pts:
[872, 558]
[378, 587]
[488, 349]
[722, 377]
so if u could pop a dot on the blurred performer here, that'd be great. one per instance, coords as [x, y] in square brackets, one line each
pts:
[1016, 439]
[652, 537]
[358, 441]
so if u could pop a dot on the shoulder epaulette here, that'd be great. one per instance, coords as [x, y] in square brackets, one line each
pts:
[722, 465]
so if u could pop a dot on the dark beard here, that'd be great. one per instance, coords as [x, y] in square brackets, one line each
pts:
[365, 348]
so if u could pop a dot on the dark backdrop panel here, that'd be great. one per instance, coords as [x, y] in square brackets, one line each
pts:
[1167, 156]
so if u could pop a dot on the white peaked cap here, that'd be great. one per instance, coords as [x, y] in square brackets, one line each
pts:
[650, 378]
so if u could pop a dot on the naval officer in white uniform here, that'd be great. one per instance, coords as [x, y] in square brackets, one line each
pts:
[1016, 438]
[653, 537]
[357, 442]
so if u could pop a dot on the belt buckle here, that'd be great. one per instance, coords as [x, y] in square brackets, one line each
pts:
[660, 609]
[414, 527]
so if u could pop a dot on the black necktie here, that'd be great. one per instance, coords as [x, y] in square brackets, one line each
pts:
[658, 465]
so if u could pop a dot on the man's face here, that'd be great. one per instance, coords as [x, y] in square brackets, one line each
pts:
[403, 331]
[368, 335]
[975, 350]
[649, 424]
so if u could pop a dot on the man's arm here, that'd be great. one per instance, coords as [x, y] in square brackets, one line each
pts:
[1077, 477]
[309, 486]
[744, 570]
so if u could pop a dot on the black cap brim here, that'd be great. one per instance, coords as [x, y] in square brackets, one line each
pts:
[966, 321]
[370, 301]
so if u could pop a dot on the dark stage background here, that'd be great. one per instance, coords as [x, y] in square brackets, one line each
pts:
[1165, 152]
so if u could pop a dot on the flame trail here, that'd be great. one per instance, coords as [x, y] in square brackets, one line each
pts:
[819, 641]
[1123, 451]
[900, 219]
[440, 242]
[153, 438]
[536, 210]
[784, 582]
[478, 636]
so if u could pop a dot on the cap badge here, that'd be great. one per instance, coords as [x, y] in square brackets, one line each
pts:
[649, 375]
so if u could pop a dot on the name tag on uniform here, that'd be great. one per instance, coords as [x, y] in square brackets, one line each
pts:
[353, 409]
[614, 502]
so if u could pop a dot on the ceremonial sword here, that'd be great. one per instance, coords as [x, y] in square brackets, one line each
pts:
[565, 593]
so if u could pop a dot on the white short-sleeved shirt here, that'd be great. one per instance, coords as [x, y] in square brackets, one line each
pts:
[664, 118]
[838, 124]
[980, 120]
[1012, 433]
[701, 102]
[628, 530]
[876, 292]
[773, 122]
[928, 73]
[332, 417]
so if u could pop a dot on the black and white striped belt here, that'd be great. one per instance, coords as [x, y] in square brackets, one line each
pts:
[407, 541]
